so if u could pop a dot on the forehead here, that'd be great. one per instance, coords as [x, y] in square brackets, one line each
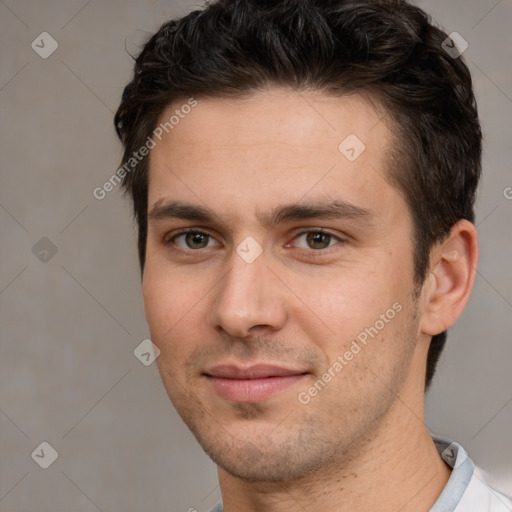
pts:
[274, 146]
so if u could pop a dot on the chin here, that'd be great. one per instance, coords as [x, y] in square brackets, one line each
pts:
[267, 459]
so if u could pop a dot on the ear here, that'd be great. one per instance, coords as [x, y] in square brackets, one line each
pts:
[447, 289]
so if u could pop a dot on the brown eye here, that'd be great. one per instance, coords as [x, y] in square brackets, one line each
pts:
[318, 240]
[196, 240]
[193, 240]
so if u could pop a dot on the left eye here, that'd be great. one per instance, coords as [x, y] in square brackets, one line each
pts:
[315, 240]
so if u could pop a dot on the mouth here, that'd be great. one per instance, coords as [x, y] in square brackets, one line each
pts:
[252, 384]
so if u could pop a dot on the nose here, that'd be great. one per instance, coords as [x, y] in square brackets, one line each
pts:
[249, 300]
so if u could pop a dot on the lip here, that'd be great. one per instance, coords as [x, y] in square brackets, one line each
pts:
[251, 384]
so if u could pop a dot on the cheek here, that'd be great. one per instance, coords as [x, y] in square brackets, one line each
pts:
[338, 308]
[171, 304]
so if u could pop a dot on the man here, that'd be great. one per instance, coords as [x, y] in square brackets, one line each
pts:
[303, 175]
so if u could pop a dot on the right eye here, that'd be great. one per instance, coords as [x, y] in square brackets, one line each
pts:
[192, 240]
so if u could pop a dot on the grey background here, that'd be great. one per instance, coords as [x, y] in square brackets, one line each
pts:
[70, 325]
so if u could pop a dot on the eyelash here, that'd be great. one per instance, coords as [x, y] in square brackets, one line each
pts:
[170, 241]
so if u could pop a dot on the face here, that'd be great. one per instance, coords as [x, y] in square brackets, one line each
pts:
[278, 282]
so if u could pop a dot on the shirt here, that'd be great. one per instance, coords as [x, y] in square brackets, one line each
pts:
[466, 489]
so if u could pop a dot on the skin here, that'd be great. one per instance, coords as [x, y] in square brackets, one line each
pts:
[361, 442]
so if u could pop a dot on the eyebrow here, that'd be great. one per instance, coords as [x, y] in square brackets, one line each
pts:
[321, 209]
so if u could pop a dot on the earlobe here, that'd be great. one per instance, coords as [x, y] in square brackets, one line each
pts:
[451, 278]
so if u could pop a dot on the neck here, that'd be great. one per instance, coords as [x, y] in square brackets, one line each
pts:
[396, 468]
